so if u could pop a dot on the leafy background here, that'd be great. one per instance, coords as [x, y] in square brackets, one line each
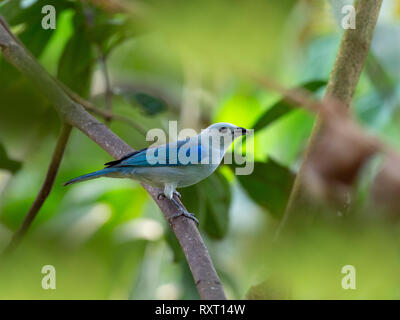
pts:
[170, 61]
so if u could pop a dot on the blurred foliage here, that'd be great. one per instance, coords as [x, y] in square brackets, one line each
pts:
[77, 60]
[106, 238]
[229, 33]
[149, 105]
[7, 163]
[307, 264]
[281, 108]
[269, 186]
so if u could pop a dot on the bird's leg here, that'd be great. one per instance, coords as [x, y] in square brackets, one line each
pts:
[182, 211]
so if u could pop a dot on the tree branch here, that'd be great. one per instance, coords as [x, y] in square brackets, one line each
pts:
[349, 62]
[204, 274]
[45, 189]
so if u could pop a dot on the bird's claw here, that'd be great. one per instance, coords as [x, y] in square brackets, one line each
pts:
[178, 194]
[161, 196]
[182, 212]
[185, 214]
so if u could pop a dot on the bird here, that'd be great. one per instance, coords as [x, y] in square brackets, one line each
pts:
[174, 165]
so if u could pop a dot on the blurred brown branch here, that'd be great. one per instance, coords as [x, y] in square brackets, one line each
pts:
[339, 147]
[349, 62]
[45, 189]
[342, 148]
[206, 279]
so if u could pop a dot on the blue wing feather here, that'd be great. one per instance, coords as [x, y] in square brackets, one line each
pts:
[161, 156]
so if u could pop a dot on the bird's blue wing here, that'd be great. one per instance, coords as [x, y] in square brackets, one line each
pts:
[180, 153]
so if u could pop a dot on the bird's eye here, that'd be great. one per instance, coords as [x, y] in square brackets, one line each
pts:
[223, 129]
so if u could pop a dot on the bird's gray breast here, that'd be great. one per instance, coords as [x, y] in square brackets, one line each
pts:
[181, 176]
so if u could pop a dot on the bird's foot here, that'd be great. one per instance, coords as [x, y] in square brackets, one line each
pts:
[185, 214]
[161, 196]
[178, 194]
[182, 211]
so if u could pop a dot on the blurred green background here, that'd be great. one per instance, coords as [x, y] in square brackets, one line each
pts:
[182, 60]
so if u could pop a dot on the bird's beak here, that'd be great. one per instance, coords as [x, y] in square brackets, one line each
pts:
[241, 131]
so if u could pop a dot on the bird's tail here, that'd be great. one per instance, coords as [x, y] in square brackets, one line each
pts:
[90, 176]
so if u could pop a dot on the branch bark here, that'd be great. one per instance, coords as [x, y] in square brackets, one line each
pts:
[343, 81]
[207, 281]
[45, 189]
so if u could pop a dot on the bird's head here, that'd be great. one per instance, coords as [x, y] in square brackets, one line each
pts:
[225, 129]
[223, 132]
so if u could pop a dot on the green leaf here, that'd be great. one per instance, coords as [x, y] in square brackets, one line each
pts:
[173, 243]
[78, 59]
[189, 290]
[15, 13]
[269, 185]
[35, 37]
[282, 107]
[103, 26]
[7, 163]
[271, 289]
[108, 30]
[194, 201]
[215, 190]
[150, 105]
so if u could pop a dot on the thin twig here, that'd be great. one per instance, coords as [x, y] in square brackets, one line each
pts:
[108, 91]
[205, 277]
[44, 190]
[102, 113]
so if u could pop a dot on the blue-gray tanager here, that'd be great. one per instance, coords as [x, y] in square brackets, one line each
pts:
[174, 165]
